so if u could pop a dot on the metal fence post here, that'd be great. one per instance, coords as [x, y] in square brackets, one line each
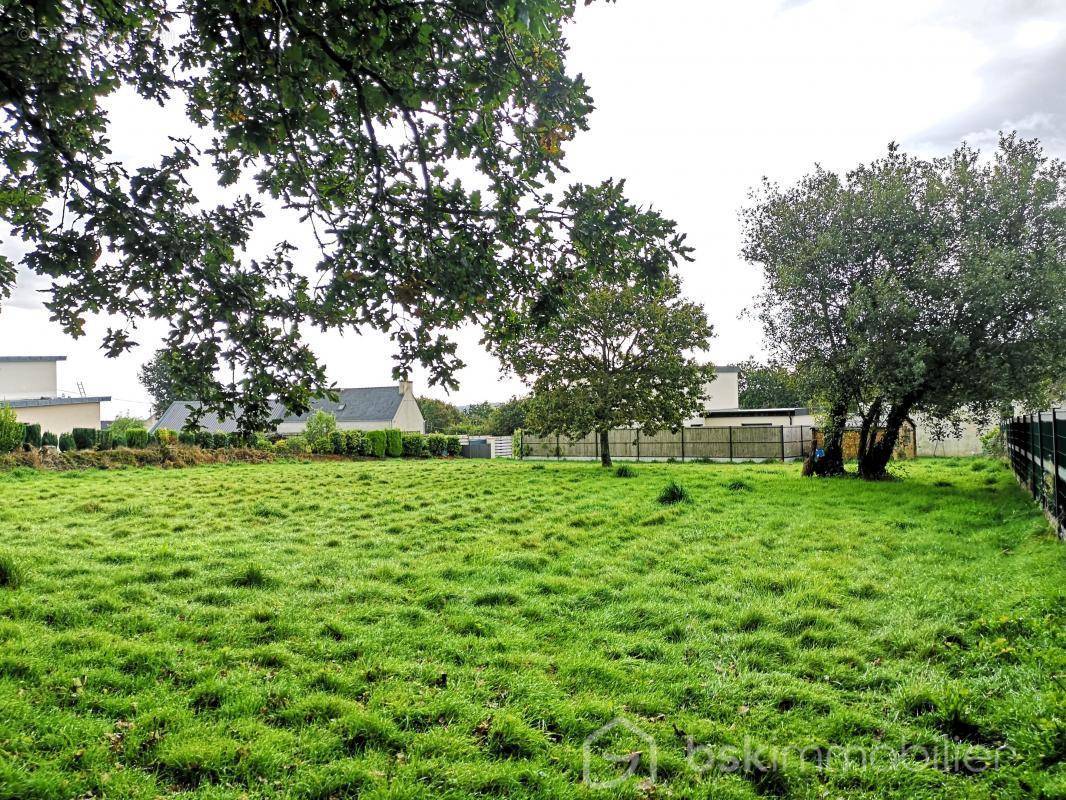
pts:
[638, 444]
[730, 442]
[781, 429]
[682, 444]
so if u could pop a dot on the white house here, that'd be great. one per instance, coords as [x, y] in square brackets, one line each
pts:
[722, 406]
[28, 384]
[367, 409]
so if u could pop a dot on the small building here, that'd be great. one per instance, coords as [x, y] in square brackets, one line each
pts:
[368, 408]
[28, 384]
[722, 407]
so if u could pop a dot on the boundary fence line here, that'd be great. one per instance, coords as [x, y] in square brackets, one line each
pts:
[1036, 447]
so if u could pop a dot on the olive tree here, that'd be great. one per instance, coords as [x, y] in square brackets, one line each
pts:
[912, 286]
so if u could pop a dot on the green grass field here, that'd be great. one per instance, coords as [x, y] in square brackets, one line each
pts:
[457, 629]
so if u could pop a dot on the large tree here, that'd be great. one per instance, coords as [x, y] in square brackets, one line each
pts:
[911, 286]
[354, 115]
[615, 349]
[767, 385]
[157, 377]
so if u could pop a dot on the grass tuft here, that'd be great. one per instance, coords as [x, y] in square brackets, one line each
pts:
[673, 493]
[251, 576]
[625, 471]
[738, 486]
[11, 572]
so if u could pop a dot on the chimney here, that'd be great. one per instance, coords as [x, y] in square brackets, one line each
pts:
[406, 387]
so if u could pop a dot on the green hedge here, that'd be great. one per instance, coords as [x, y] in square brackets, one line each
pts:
[393, 442]
[454, 448]
[32, 435]
[355, 443]
[136, 438]
[84, 438]
[49, 439]
[103, 440]
[414, 445]
[375, 444]
[66, 442]
[187, 437]
[437, 444]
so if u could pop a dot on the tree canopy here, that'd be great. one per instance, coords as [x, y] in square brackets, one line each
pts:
[917, 286]
[769, 386]
[615, 350]
[417, 139]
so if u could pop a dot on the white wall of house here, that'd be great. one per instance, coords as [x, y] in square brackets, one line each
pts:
[409, 416]
[20, 380]
[63, 418]
[723, 391]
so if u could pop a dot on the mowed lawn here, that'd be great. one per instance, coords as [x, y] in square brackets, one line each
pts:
[457, 629]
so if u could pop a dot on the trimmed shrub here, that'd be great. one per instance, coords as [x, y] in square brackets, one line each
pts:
[118, 440]
[136, 438]
[322, 445]
[454, 448]
[375, 444]
[339, 442]
[84, 438]
[103, 441]
[437, 444]
[393, 442]
[414, 445]
[12, 432]
[205, 439]
[294, 446]
[166, 436]
[32, 435]
[49, 439]
[187, 437]
[67, 443]
[355, 443]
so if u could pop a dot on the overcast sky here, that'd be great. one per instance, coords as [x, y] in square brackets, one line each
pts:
[695, 101]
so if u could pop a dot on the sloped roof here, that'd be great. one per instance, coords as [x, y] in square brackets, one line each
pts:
[367, 404]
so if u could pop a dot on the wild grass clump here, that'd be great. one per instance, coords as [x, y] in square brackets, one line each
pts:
[11, 572]
[673, 493]
[251, 576]
[625, 471]
[738, 486]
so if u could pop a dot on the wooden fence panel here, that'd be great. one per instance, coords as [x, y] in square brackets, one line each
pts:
[707, 443]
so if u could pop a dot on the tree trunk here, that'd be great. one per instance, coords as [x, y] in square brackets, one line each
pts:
[832, 461]
[605, 450]
[873, 463]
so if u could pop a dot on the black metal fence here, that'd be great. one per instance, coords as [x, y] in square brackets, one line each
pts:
[1036, 447]
[747, 443]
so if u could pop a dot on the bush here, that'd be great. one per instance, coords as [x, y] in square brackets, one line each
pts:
[67, 443]
[992, 443]
[375, 444]
[119, 440]
[103, 441]
[187, 437]
[49, 439]
[136, 438]
[393, 442]
[414, 445]
[355, 443]
[205, 440]
[220, 440]
[437, 444]
[11, 430]
[673, 493]
[339, 442]
[32, 435]
[319, 424]
[294, 446]
[322, 445]
[166, 436]
[261, 442]
[84, 438]
[454, 448]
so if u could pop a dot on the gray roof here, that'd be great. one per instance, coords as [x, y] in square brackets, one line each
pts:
[726, 368]
[38, 402]
[370, 404]
[8, 359]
